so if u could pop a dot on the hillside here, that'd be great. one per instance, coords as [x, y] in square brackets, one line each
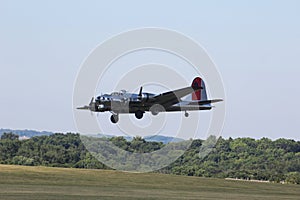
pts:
[26, 134]
[19, 182]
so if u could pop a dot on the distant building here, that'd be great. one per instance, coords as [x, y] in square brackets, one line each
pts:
[24, 137]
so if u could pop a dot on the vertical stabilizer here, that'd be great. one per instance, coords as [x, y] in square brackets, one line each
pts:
[200, 94]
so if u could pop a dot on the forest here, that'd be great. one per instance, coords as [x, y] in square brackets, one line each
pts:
[242, 158]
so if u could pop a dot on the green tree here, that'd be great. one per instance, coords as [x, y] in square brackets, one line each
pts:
[9, 136]
[293, 177]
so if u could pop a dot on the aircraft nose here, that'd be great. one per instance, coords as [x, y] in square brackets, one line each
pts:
[100, 98]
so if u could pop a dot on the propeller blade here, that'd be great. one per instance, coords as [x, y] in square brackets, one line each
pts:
[140, 93]
[141, 90]
[84, 108]
[92, 101]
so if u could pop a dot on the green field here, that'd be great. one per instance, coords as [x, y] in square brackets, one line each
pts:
[19, 182]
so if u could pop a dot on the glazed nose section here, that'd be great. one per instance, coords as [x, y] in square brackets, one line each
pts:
[101, 107]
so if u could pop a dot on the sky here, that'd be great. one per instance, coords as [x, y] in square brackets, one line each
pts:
[255, 44]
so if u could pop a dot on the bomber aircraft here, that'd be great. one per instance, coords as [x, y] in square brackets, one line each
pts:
[124, 102]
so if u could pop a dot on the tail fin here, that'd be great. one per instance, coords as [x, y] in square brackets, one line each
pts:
[200, 94]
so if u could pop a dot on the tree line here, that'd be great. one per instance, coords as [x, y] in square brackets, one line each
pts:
[243, 158]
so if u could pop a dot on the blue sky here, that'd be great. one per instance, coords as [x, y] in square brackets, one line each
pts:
[255, 44]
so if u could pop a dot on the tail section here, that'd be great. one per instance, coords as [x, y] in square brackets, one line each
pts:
[200, 94]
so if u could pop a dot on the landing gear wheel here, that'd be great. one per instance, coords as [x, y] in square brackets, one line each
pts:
[139, 114]
[114, 118]
[156, 109]
[154, 112]
[186, 114]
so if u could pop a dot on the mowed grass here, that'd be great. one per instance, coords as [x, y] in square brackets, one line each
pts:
[19, 182]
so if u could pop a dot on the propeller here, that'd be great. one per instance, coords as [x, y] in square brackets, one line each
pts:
[91, 101]
[140, 94]
[90, 106]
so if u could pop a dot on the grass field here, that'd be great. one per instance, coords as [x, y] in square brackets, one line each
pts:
[19, 182]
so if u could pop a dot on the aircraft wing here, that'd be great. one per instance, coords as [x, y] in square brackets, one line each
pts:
[173, 97]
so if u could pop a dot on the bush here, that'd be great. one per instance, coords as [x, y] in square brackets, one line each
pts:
[293, 177]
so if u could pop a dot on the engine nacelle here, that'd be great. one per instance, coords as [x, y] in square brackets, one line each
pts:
[146, 96]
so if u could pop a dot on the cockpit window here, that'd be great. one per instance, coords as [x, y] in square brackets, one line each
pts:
[121, 93]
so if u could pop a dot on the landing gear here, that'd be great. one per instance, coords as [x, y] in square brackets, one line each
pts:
[154, 112]
[186, 114]
[156, 108]
[139, 114]
[114, 118]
